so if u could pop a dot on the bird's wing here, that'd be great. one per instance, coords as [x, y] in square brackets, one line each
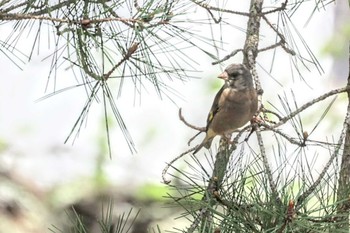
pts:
[215, 107]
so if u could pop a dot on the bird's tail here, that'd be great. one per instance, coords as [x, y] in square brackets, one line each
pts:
[206, 143]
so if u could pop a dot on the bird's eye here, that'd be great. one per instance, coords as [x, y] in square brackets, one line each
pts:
[235, 74]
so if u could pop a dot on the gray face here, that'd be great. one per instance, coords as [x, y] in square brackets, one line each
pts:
[238, 76]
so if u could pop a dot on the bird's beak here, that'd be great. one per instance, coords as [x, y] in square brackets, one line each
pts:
[224, 76]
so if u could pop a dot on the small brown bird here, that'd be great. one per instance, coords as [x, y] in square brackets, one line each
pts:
[234, 105]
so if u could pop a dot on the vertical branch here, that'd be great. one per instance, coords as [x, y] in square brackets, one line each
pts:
[343, 194]
[250, 53]
[268, 171]
[252, 40]
[222, 157]
[217, 177]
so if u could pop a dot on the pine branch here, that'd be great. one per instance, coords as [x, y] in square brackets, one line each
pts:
[309, 104]
[222, 157]
[343, 192]
[316, 183]
[213, 8]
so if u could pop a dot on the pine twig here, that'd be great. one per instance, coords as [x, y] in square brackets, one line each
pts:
[232, 54]
[290, 139]
[165, 170]
[126, 57]
[201, 129]
[267, 167]
[336, 152]
[281, 8]
[213, 8]
[310, 103]
[282, 41]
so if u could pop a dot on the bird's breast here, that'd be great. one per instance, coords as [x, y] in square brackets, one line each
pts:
[236, 108]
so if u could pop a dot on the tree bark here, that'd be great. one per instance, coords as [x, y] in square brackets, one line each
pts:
[343, 194]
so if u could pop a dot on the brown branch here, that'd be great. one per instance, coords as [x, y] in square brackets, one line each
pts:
[267, 167]
[281, 44]
[290, 215]
[290, 139]
[278, 44]
[165, 170]
[202, 214]
[282, 41]
[137, 6]
[343, 192]
[233, 53]
[281, 8]
[310, 103]
[264, 111]
[208, 7]
[213, 8]
[336, 152]
[283, 120]
[127, 21]
[250, 54]
[126, 57]
[208, 197]
[201, 129]
[213, 17]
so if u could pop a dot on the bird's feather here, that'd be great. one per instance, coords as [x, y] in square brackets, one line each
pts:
[215, 107]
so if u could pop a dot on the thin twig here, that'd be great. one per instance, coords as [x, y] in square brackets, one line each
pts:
[278, 44]
[18, 17]
[310, 103]
[336, 152]
[213, 8]
[281, 8]
[282, 41]
[137, 6]
[290, 215]
[165, 170]
[279, 34]
[201, 129]
[213, 17]
[191, 139]
[126, 57]
[290, 139]
[264, 110]
[233, 53]
[202, 214]
[267, 167]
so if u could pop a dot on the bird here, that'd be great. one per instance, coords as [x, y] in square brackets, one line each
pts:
[234, 105]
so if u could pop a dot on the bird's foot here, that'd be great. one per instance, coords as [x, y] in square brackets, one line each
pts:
[227, 143]
[227, 138]
[256, 120]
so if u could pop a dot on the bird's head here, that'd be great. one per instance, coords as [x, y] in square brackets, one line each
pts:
[237, 76]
